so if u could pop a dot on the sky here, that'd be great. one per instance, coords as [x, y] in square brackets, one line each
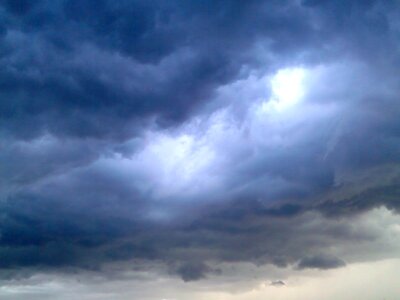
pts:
[213, 149]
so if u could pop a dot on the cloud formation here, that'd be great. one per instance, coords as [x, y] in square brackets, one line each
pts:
[320, 262]
[197, 134]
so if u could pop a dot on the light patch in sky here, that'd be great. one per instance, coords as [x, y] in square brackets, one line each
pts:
[287, 89]
[168, 165]
[287, 86]
[180, 161]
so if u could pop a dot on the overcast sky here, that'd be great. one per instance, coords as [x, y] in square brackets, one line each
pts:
[206, 149]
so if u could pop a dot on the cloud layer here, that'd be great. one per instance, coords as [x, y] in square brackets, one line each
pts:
[196, 134]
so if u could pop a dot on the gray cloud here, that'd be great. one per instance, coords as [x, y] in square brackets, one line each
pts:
[278, 283]
[138, 131]
[71, 69]
[320, 262]
[193, 271]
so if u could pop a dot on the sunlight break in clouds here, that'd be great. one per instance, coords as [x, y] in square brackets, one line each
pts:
[287, 88]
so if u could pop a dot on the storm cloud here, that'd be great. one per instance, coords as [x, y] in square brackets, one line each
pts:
[192, 135]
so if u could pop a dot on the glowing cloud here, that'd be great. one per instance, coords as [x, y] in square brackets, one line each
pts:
[287, 87]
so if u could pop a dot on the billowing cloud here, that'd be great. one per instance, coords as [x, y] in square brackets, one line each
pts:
[188, 138]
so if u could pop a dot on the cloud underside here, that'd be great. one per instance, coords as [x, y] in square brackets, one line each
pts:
[142, 132]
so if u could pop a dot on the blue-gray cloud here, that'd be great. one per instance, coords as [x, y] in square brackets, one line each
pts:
[141, 130]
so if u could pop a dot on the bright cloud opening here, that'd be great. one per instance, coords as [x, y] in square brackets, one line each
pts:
[287, 88]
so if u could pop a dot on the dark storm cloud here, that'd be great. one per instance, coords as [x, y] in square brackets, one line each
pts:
[65, 229]
[387, 195]
[82, 83]
[70, 69]
[193, 271]
[47, 234]
[320, 262]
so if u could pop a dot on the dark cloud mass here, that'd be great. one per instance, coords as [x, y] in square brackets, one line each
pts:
[320, 262]
[153, 131]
